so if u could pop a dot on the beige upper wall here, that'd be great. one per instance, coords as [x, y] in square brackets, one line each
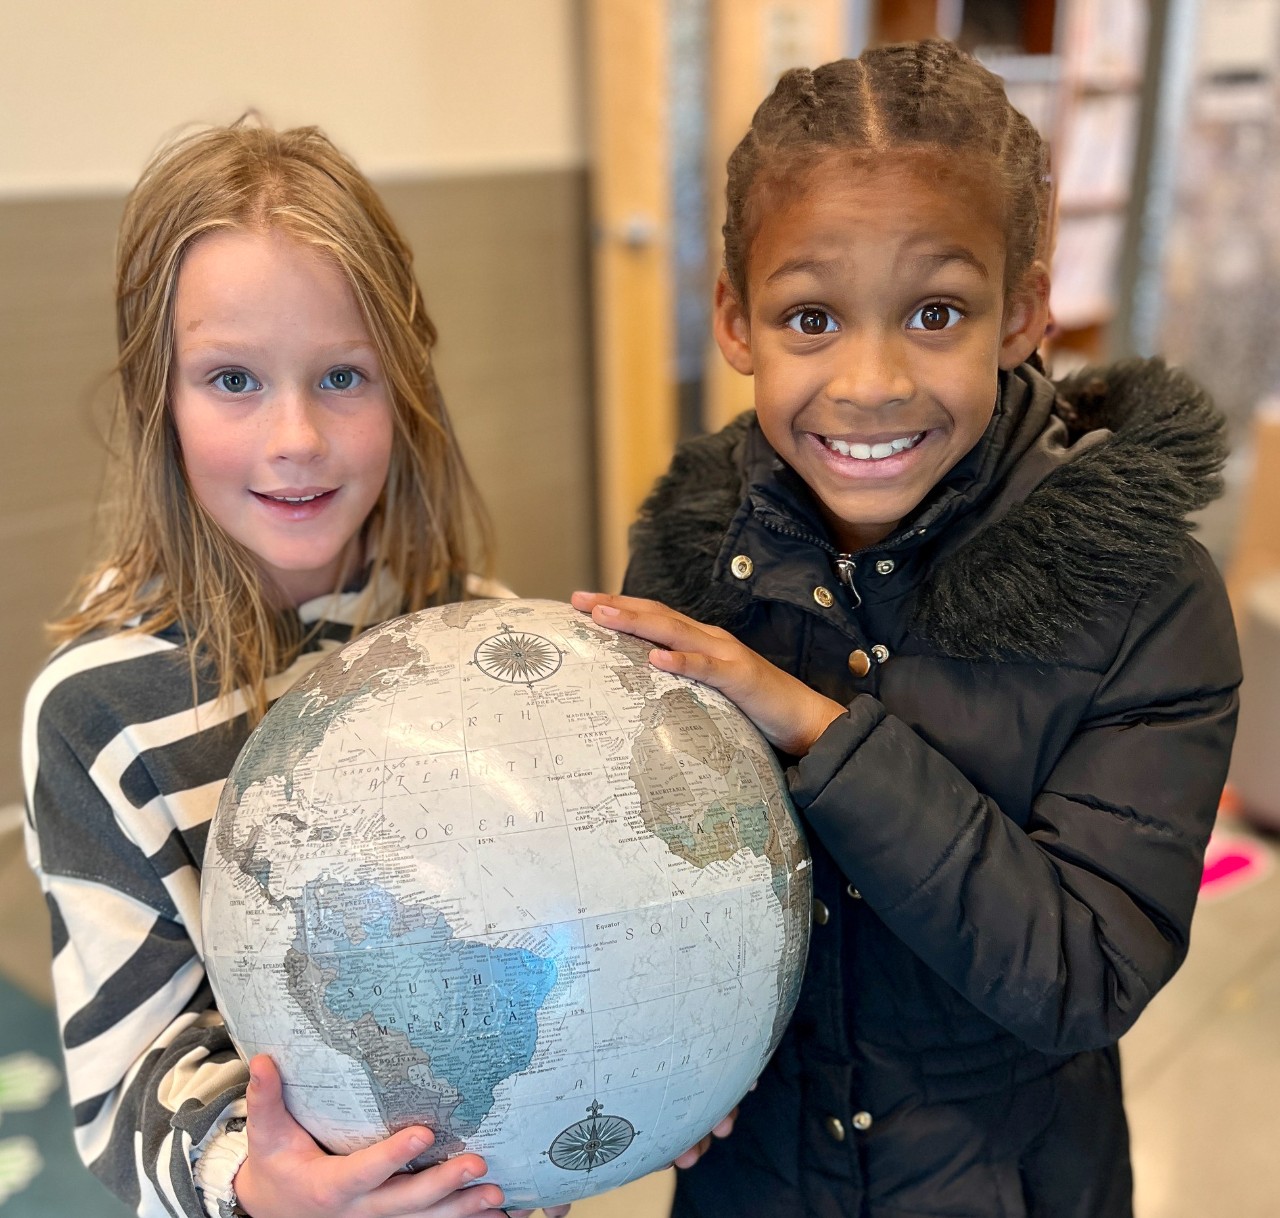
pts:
[407, 87]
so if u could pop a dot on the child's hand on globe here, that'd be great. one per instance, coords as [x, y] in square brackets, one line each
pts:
[287, 1175]
[789, 714]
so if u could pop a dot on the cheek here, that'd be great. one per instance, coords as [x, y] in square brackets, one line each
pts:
[973, 413]
[782, 387]
[212, 458]
[372, 446]
[774, 421]
[212, 450]
[383, 441]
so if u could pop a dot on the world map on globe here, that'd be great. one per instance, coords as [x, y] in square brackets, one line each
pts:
[487, 869]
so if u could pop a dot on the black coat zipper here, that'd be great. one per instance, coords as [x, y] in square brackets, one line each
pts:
[846, 565]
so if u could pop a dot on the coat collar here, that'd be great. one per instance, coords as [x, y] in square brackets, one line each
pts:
[1074, 500]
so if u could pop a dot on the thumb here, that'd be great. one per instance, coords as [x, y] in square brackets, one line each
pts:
[270, 1127]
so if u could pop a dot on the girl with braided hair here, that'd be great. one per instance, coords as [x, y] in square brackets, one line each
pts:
[963, 604]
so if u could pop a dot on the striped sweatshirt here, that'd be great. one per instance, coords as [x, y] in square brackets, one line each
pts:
[122, 775]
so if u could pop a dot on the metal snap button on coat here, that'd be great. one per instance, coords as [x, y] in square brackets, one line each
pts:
[859, 663]
[880, 653]
[854, 893]
[835, 1128]
[862, 1121]
[821, 914]
[741, 566]
[823, 597]
[884, 566]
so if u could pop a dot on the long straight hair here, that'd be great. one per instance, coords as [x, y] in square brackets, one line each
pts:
[167, 561]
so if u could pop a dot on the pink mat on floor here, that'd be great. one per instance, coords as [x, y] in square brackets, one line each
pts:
[1232, 862]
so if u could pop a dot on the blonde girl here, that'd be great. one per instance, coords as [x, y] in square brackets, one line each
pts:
[287, 474]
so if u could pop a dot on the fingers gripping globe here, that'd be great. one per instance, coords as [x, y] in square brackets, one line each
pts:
[488, 870]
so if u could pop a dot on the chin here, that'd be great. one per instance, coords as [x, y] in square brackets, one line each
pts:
[882, 518]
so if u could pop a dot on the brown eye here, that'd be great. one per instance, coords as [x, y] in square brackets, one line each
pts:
[936, 316]
[812, 321]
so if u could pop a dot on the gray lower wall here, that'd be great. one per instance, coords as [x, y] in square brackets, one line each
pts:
[502, 260]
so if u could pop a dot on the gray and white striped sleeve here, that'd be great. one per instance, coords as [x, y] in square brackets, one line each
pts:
[122, 775]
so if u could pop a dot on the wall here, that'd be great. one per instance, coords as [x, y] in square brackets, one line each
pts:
[469, 119]
[407, 86]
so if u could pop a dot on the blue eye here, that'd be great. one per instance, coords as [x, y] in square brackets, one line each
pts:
[934, 316]
[235, 380]
[341, 379]
[812, 322]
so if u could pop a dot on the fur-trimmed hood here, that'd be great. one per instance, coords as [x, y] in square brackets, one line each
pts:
[1076, 498]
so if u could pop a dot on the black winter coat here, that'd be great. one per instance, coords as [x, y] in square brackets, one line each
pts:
[1007, 825]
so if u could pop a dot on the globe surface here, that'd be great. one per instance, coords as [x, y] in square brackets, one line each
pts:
[487, 869]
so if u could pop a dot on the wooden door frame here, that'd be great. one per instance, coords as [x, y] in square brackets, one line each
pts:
[634, 301]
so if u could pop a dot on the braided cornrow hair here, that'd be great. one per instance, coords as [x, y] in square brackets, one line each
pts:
[918, 95]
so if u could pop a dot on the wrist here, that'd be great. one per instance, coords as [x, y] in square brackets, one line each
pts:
[823, 714]
[217, 1168]
[232, 1203]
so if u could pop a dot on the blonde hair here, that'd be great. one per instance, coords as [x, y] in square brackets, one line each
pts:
[168, 561]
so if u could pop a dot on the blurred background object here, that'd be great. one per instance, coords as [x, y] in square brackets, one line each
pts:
[558, 166]
[1255, 773]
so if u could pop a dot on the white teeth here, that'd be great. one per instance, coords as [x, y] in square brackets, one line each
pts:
[874, 452]
[297, 499]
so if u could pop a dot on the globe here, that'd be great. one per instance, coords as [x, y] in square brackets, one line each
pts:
[486, 869]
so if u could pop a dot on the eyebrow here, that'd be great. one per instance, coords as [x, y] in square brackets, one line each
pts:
[234, 347]
[801, 266]
[956, 254]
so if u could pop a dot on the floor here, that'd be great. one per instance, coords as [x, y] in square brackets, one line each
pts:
[1202, 1067]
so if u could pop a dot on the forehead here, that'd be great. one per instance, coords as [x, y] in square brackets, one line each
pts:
[915, 207]
[246, 278]
[229, 260]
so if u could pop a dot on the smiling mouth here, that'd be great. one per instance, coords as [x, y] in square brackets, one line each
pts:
[309, 497]
[873, 452]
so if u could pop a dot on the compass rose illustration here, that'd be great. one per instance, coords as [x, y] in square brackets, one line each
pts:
[517, 657]
[591, 1143]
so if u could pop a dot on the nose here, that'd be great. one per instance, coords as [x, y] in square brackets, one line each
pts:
[296, 428]
[870, 370]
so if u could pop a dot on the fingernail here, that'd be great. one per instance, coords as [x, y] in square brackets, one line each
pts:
[417, 1143]
[607, 611]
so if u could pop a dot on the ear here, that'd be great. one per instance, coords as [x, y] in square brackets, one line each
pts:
[1026, 316]
[731, 328]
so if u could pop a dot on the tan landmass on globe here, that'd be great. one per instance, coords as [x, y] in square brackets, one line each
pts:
[457, 615]
[305, 714]
[676, 727]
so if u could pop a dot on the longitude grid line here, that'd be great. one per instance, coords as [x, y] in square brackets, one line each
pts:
[591, 665]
